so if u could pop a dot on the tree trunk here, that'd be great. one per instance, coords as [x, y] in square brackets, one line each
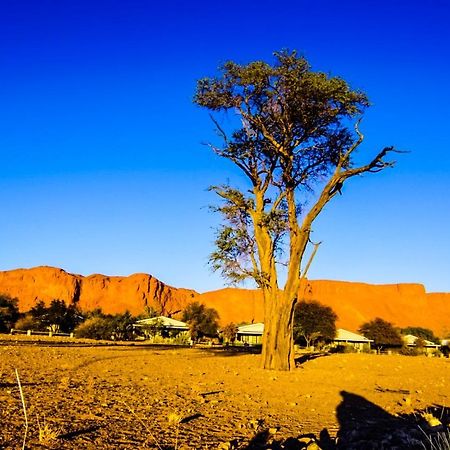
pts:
[278, 346]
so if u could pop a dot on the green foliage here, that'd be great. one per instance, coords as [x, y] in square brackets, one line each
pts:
[153, 329]
[56, 317]
[9, 312]
[313, 321]
[107, 327]
[182, 338]
[293, 133]
[291, 130]
[381, 332]
[229, 333]
[202, 321]
[27, 322]
[420, 332]
[95, 327]
[409, 351]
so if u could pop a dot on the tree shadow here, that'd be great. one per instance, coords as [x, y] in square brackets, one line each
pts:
[364, 425]
[232, 350]
[309, 357]
[79, 432]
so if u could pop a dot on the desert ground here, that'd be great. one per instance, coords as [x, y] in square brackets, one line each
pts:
[81, 395]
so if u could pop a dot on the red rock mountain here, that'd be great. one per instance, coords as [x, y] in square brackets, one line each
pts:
[354, 303]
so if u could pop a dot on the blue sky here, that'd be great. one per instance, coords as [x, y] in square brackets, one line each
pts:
[102, 164]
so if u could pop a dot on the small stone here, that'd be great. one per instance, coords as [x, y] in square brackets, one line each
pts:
[224, 446]
[273, 431]
[313, 446]
[431, 420]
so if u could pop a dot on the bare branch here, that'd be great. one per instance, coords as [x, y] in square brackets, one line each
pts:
[356, 144]
[376, 165]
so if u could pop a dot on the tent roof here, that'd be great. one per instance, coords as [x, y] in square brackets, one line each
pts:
[167, 322]
[410, 339]
[254, 328]
[348, 336]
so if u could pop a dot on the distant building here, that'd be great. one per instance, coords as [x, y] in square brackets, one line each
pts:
[161, 326]
[250, 334]
[410, 341]
[347, 337]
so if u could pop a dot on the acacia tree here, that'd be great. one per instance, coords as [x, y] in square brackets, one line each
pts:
[294, 135]
[381, 332]
[202, 321]
[312, 321]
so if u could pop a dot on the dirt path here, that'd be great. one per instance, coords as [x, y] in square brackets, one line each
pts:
[134, 397]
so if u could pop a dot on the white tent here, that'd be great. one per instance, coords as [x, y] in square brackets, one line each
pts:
[165, 322]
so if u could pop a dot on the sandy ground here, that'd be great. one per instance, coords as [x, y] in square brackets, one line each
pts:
[128, 397]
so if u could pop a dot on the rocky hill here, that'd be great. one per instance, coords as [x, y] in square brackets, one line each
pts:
[354, 303]
[111, 294]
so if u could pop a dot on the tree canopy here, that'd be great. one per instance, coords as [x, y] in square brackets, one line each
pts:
[202, 321]
[383, 333]
[313, 321]
[293, 135]
[9, 312]
[423, 333]
[56, 317]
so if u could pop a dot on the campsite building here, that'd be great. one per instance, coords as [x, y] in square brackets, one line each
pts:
[250, 334]
[162, 326]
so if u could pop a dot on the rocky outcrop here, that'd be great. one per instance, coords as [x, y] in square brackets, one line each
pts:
[111, 294]
[354, 303]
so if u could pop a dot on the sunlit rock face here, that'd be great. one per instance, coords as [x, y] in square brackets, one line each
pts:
[111, 294]
[354, 303]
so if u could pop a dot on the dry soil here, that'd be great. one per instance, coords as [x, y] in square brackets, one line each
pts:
[126, 397]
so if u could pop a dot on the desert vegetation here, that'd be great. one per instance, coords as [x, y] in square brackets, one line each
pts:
[294, 139]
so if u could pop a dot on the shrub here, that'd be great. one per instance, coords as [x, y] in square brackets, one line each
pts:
[100, 326]
[229, 333]
[26, 322]
[408, 351]
[95, 328]
[9, 312]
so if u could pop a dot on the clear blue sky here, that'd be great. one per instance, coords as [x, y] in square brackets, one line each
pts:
[102, 167]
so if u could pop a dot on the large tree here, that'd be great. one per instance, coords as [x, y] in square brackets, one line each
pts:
[382, 333]
[202, 321]
[313, 321]
[293, 134]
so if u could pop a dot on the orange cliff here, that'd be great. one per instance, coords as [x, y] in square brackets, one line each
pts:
[111, 294]
[354, 303]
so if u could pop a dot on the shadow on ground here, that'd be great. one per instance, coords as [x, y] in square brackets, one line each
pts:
[309, 357]
[365, 426]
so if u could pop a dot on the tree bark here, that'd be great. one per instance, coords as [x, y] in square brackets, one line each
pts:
[278, 345]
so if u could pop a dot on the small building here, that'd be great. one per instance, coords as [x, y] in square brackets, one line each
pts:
[411, 341]
[161, 326]
[250, 334]
[345, 337]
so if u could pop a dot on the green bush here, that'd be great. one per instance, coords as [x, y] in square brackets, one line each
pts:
[26, 323]
[95, 328]
[101, 326]
[409, 351]
[9, 312]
